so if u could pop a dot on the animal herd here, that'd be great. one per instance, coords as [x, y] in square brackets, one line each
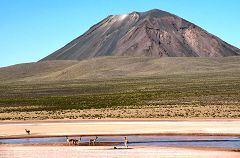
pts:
[73, 141]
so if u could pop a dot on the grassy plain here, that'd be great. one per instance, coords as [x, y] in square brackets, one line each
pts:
[190, 88]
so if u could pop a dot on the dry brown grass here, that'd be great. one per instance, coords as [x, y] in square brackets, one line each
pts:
[166, 111]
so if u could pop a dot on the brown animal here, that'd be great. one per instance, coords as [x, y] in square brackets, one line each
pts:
[126, 142]
[28, 131]
[73, 141]
[92, 141]
[76, 141]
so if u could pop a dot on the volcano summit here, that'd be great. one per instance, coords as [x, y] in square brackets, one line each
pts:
[154, 33]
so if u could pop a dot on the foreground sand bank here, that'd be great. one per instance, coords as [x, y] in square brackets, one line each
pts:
[108, 152]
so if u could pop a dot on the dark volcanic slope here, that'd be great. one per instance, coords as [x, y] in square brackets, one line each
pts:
[152, 33]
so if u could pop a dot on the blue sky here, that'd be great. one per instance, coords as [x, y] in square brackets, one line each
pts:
[32, 29]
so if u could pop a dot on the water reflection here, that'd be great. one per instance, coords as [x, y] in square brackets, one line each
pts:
[187, 141]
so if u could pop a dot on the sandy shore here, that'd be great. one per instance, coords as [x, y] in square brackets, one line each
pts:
[109, 152]
[15, 129]
[119, 127]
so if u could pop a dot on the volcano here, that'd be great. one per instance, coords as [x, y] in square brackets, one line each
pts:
[154, 33]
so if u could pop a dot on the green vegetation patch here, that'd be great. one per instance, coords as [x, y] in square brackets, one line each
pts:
[162, 92]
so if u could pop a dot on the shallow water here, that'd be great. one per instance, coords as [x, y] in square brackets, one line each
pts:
[176, 141]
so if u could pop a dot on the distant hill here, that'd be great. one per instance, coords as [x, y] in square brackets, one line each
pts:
[118, 67]
[154, 33]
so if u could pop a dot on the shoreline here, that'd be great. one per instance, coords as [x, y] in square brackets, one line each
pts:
[11, 129]
[119, 127]
[120, 120]
[123, 134]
